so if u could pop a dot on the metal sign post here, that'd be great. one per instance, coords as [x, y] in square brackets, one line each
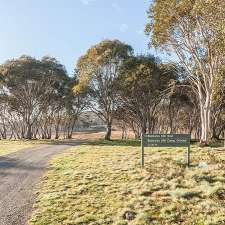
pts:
[166, 140]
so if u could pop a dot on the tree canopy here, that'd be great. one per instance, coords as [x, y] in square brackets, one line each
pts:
[35, 97]
[194, 30]
[98, 70]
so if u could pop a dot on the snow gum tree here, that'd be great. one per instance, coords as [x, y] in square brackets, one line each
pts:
[195, 31]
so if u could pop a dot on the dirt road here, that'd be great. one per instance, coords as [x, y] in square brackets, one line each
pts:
[19, 173]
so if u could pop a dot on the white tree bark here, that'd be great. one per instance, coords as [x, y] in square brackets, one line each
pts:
[196, 52]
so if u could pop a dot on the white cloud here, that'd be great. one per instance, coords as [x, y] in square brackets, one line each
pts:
[87, 2]
[117, 7]
[123, 27]
[140, 32]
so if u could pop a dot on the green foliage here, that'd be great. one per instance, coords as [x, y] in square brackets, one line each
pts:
[97, 58]
[144, 77]
[143, 81]
[28, 69]
[141, 74]
[142, 84]
[165, 16]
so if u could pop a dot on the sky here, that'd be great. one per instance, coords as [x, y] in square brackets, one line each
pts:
[65, 29]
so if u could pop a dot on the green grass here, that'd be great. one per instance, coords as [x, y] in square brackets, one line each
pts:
[98, 185]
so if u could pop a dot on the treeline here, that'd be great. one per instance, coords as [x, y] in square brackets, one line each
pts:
[39, 100]
[142, 93]
[36, 99]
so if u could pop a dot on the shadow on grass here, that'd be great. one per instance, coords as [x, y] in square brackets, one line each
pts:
[102, 142]
[213, 144]
[116, 142]
[217, 144]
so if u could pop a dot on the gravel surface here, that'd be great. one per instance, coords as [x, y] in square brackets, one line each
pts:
[19, 173]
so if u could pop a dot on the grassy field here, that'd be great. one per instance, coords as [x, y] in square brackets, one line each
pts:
[11, 146]
[103, 184]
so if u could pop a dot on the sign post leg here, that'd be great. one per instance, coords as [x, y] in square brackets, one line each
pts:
[142, 151]
[188, 155]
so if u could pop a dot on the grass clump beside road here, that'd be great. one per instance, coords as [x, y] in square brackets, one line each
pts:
[98, 185]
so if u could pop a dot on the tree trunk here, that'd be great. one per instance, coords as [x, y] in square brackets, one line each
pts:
[57, 131]
[205, 124]
[143, 128]
[57, 125]
[170, 118]
[71, 127]
[57, 134]
[29, 132]
[108, 131]
[216, 133]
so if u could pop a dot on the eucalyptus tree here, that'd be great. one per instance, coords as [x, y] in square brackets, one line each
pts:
[23, 93]
[54, 108]
[194, 31]
[30, 86]
[142, 84]
[98, 69]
